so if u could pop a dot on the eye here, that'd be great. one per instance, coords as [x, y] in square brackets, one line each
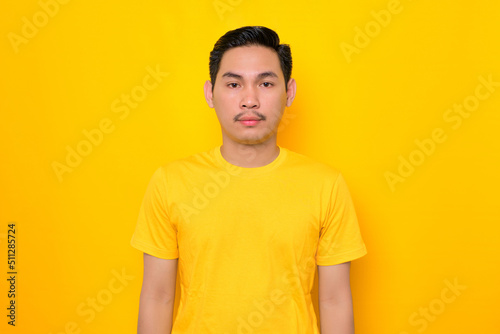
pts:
[267, 84]
[232, 85]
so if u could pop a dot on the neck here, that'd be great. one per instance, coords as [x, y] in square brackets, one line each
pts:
[250, 155]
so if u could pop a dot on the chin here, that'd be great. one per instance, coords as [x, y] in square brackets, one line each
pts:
[254, 140]
[251, 138]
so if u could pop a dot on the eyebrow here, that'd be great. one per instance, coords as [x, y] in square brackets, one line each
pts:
[259, 76]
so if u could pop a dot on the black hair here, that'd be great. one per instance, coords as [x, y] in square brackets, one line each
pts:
[250, 35]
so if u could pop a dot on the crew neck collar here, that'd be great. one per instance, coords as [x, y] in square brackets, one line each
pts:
[248, 171]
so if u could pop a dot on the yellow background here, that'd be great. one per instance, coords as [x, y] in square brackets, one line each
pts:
[359, 113]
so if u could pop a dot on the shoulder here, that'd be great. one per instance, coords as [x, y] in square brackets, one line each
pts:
[188, 163]
[311, 167]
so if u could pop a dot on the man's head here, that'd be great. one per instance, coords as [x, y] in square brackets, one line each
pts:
[246, 36]
[251, 84]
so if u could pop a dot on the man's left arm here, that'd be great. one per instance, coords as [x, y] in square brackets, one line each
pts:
[335, 299]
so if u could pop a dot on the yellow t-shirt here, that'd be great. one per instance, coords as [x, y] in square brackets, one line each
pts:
[248, 239]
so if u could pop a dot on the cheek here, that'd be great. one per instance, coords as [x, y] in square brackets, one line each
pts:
[278, 96]
[224, 110]
[278, 102]
[225, 100]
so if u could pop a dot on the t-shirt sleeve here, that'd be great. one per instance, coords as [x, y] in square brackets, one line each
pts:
[154, 232]
[340, 238]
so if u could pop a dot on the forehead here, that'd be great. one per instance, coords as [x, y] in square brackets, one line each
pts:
[250, 60]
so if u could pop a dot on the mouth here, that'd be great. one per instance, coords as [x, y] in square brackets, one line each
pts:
[249, 121]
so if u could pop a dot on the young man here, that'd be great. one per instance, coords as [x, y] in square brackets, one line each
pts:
[247, 223]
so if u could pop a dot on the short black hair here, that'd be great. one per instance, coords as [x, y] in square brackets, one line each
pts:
[250, 35]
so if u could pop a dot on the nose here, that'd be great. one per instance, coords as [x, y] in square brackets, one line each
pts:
[249, 99]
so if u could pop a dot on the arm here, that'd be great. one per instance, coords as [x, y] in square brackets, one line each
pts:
[335, 300]
[157, 296]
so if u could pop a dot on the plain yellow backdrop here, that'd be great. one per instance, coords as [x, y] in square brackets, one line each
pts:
[402, 97]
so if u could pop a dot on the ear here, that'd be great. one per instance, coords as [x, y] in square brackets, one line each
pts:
[290, 93]
[208, 93]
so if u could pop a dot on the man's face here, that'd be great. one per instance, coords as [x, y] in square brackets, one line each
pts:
[249, 95]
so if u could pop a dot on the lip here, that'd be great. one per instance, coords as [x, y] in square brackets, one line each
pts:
[249, 121]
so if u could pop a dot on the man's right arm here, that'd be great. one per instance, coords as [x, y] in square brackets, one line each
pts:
[157, 296]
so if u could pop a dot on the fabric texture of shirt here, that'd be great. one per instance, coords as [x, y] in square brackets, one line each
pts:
[248, 240]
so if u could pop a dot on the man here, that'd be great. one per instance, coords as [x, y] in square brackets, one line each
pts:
[247, 223]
